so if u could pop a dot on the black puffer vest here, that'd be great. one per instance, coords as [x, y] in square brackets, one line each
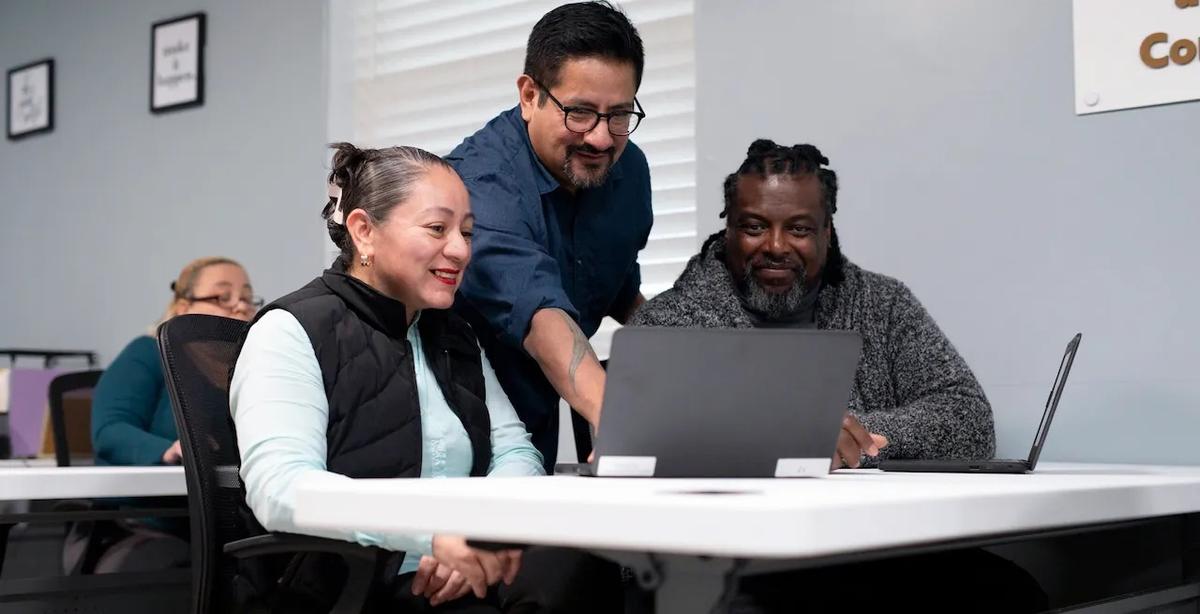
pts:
[374, 431]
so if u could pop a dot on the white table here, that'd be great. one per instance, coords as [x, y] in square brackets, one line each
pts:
[35, 481]
[17, 463]
[659, 524]
[22, 481]
[30, 480]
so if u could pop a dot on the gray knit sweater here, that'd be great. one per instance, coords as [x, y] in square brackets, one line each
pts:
[911, 385]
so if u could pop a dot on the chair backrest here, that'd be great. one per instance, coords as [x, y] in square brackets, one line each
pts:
[197, 354]
[70, 413]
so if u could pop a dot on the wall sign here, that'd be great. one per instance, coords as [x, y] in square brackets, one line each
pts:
[30, 99]
[177, 63]
[1135, 54]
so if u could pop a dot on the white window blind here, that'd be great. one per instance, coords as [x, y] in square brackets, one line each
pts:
[431, 72]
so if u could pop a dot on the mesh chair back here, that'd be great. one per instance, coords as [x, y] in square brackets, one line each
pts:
[198, 352]
[70, 413]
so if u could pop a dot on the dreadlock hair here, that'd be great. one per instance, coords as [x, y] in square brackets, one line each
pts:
[765, 158]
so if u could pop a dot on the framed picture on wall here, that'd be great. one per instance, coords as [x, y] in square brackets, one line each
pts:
[177, 63]
[30, 100]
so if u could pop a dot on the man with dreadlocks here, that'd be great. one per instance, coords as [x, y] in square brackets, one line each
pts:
[778, 264]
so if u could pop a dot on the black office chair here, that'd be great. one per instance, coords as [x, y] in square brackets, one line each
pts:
[197, 353]
[75, 384]
[104, 546]
[85, 541]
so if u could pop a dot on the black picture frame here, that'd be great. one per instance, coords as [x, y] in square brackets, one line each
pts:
[26, 94]
[180, 84]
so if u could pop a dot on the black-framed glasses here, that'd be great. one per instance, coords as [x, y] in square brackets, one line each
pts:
[582, 120]
[229, 300]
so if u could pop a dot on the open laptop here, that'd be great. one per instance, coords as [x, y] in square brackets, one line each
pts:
[711, 403]
[1001, 465]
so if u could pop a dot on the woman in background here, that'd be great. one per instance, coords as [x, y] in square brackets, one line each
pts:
[132, 422]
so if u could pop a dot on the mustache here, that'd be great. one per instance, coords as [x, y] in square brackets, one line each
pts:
[588, 149]
[775, 265]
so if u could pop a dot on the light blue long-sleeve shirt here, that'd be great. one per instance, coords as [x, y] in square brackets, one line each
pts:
[281, 413]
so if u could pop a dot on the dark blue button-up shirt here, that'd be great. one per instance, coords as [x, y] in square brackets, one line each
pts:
[538, 246]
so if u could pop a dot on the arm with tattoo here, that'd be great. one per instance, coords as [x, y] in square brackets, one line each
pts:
[568, 361]
[580, 348]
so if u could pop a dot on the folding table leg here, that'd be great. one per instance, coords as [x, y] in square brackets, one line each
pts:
[684, 584]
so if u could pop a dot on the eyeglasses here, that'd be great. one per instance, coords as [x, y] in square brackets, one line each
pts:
[229, 300]
[582, 120]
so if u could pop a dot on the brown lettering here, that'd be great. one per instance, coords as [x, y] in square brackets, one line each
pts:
[1183, 51]
[1147, 44]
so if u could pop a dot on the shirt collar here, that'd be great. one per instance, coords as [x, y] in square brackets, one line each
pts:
[546, 183]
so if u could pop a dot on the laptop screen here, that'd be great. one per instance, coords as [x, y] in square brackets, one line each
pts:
[1060, 380]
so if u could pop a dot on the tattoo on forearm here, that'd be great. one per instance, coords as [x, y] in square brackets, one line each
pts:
[580, 348]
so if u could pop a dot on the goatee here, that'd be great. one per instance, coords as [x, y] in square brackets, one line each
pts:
[772, 305]
[586, 180]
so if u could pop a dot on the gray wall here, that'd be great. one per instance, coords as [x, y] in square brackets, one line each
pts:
[966, 174]
[99, 215]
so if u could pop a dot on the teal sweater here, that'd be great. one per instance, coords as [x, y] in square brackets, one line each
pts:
[131, 411]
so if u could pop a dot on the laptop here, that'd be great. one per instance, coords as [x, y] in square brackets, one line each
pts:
[1001, 465]
[717, 403]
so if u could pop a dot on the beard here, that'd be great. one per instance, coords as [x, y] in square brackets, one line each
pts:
[772, 305]
[594, 175]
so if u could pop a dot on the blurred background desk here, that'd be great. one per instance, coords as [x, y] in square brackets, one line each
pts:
[27, 488]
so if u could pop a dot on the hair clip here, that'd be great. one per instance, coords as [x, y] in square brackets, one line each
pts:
[335, 216]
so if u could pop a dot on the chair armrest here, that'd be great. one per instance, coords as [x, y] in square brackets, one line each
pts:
[286, 543]
[361, 561]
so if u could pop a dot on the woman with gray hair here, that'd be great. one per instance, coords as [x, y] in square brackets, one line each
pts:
[366, 373]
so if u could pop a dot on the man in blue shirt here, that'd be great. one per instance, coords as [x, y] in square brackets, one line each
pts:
[562, 206]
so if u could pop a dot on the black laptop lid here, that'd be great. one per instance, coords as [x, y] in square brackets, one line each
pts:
[682, 402]
[1060, 380]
